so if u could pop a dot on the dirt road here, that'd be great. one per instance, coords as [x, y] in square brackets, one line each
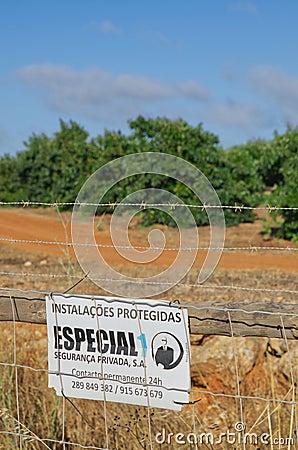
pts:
[45, 225]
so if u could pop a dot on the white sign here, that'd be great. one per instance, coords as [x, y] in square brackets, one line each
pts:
[119, 350]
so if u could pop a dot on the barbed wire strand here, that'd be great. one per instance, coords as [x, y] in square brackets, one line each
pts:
[250, 248]
[143, 204]
[142, 282]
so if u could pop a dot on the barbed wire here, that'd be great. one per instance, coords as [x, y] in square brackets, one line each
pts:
[142, 282]
[143, 205]
[250, 248]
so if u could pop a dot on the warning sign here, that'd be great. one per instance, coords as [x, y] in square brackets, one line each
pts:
[119, 350]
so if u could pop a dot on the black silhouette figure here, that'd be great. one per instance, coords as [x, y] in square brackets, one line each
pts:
[164, 354]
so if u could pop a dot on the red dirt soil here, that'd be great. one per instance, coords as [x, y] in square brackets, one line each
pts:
[45, 225]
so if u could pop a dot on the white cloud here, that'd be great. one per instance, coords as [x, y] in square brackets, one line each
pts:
[132, 86]
[99, 94]
[112, 98]
[93, 84]
[278, 89]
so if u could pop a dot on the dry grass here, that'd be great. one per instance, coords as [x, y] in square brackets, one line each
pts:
[40, 411]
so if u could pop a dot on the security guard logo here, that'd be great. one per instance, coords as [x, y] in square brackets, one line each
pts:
[167, 350]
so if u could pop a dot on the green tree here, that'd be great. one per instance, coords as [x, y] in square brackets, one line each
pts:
[53, 169]
[285, 175]
[9, 180]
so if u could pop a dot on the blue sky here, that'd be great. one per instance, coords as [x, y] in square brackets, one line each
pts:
[232, 65]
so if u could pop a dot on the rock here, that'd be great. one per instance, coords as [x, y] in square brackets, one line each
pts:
[27, 263]
[43, 262]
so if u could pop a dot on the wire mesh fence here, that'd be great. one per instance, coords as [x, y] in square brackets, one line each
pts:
[243, 387]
